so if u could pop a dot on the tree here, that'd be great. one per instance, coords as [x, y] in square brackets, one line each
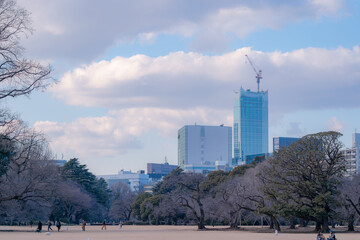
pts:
[18, 75]
[351, 196]
[302, 180]
[136, 204]
[73, 170]
[28, 180]
[191, 195]
[122, 198]
[70, 200]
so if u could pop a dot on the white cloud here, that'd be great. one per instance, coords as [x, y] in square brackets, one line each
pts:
[83, 30]
[304, 79]
[121, 130]
[335, 125]
[164, 93]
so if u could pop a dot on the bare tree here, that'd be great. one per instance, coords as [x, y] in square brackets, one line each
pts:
[18, 75]
[190, 194]
[27, 182]
[122, 198]
[351, 195]
[70, 199]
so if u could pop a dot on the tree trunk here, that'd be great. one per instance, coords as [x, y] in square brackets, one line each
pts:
[351, 223]
[271, 225]
[292, 223]
[325, 225]
[276, 223]
[234, 220]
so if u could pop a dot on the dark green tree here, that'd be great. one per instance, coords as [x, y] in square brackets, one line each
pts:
[136, 204]
[302, 180]
[73, 170]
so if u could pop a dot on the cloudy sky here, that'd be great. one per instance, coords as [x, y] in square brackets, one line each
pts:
[131, 73]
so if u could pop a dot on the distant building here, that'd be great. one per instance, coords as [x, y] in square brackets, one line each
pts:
[261, 156]
[250, 124]
[200, 147]
[135, 181]
[60, 163]
[280, 142]
[158, 170]
[352, 156]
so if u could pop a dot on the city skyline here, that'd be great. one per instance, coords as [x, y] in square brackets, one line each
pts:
[130, 74]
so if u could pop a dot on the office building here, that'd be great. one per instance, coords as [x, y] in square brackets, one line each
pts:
[158, 170]
[259, 157]
[200, 148]
[135, 181]
[250, 124]
[352, 156]
[280, 142]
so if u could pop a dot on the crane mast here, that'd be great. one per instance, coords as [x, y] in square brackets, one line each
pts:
[258, 73]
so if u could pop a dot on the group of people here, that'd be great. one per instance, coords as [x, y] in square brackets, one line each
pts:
[321, 236]
[57, 224]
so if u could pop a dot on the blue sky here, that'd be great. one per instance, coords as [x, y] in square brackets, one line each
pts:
[130, 74]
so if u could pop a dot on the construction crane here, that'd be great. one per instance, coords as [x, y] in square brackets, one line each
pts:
[258, 73]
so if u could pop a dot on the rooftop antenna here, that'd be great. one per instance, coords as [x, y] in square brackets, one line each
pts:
[258, 73]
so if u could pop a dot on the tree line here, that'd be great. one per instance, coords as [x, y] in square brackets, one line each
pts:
[299, 184]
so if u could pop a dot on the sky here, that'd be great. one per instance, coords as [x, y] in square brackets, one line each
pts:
[129, 74]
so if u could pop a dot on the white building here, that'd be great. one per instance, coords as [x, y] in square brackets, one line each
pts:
[134, 180]
[352, 156]
[202, 148]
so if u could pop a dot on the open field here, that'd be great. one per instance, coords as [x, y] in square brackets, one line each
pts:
[154, 233]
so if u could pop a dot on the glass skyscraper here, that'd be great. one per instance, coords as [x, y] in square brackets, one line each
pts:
[202, 147]
[279, 142]
[250, 124]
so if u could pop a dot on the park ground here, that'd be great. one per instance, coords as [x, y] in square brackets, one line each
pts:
[160, 233]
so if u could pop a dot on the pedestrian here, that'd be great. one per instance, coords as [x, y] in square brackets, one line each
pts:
[83, 225]
[49, 226]
[120, 224]
[103, 225]
[31, 223]
[58, 225]
[39, 227]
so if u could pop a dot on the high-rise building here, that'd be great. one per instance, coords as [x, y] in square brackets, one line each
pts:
[250, 124]
[352, 156]
[279, 142]
[204, 148]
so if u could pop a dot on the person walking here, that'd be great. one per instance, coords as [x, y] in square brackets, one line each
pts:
[49, 226]
[83, 225]
[39, 227]
[58, 225]
[120, 224]
[103, 225]
[31, 223]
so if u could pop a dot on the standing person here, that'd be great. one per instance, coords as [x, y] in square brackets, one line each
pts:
[103, 225]
[120, 224]
[58, 225]
[31, 223]
[49, 226]
[83, 225]
[39, 227]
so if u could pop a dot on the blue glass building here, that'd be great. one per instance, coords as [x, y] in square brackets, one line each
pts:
[250, 124]
[279, 142]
